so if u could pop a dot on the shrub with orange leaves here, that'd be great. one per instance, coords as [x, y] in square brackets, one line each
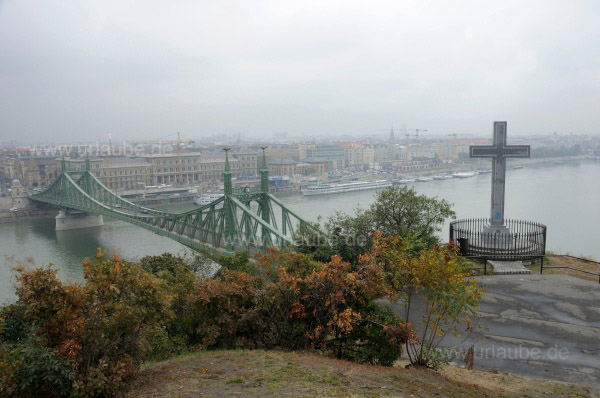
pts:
[294, 302]
[226, 312]
[328, 305]
[94, 329]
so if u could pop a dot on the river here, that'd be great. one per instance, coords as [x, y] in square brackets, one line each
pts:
[565, 197]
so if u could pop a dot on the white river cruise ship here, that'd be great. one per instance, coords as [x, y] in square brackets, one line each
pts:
[323, 189]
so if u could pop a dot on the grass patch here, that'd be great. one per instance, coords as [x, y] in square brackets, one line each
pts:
[571, 391]
[263, 374]
[333, 380]
[172, 361]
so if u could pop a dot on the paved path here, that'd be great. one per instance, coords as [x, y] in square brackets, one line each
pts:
[542, 326]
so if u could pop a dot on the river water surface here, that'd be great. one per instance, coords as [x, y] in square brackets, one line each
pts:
[564, 197]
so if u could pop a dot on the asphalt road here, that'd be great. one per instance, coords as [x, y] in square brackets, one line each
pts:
[540, 326]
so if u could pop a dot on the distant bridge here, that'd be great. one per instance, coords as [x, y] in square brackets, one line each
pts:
[227, 224]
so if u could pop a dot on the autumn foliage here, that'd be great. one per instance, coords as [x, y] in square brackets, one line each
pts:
[89, 335]
[294, 302]
[440, 281]
[87, 339]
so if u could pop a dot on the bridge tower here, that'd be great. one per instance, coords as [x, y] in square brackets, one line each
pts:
[228, 206]
[264, 192]
[72, 219]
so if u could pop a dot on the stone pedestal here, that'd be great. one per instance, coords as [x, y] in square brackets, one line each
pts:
[66, 221]
[497, 229]
[497, 234]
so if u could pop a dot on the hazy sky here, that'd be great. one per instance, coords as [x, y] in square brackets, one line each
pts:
[81, 69]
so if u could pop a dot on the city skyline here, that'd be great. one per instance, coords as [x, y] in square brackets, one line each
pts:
[282, 137]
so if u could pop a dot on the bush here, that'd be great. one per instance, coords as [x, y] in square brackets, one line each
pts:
[85, 336]
[179, 276]
[225, 311]
[157, 344]
[165, 263]
[31, 369]
[330, 308]
[87, 340]
[239, 261]
[294, 302]
[307, 241]
[379, 337]
[12, 326]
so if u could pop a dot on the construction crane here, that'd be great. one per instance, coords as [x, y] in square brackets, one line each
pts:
[416, 135]
[454, 135]
[417, 141]
[178, 142]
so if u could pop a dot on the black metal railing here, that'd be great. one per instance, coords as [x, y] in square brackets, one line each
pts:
[525, 240]
[543, 267]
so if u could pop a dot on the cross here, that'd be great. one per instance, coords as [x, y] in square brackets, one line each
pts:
[499, 151]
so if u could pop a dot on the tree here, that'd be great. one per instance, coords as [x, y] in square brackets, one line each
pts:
[308, 241]
[351, 236]
[439, 279]
[397, 211]
[401, 211]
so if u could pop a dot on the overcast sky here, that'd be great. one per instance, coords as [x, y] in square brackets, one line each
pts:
[81, 69]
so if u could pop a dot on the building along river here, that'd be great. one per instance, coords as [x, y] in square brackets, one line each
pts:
[565, 197]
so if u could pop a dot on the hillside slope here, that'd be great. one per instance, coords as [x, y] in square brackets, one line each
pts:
[287, 374]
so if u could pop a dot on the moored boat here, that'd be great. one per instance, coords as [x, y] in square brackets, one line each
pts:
[403, 181]
[325, 189]
[466, 174]
[207, 198]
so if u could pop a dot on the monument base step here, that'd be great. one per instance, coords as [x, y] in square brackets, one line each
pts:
[508, 267]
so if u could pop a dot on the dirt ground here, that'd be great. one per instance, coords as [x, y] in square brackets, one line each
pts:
[287, 374]
[557, 260]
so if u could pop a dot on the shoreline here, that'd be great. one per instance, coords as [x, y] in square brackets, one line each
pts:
[7, 216]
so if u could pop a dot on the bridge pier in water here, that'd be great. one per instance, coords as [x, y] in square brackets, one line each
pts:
[66, 220]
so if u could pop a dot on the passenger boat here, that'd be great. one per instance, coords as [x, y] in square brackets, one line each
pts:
[404, 181]
[207, 198]
[325, 189]
[466, 174]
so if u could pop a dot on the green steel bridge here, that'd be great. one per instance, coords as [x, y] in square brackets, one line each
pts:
[243, 219]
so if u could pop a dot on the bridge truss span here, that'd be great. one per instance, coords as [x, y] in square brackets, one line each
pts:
[243, 219]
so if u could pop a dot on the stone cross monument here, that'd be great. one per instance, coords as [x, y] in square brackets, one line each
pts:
[499, 151]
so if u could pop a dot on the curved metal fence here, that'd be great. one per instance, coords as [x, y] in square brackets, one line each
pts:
[526, 240]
